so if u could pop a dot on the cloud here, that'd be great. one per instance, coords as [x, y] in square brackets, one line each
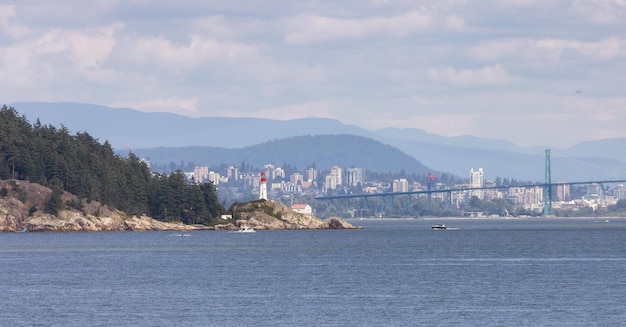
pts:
[548, 49]
[308, 28]
[314, 109]
[455, 22]
[612, 108]
[521, 4]
[182, 106]
[601, 11]
[488, 76]
[447, 66]
[9, 25]
[42, 58]
[165, 54]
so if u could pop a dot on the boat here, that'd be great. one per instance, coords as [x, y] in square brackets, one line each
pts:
[246, 229]
[438, 227]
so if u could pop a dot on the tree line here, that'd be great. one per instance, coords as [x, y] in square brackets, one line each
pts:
[80, 165]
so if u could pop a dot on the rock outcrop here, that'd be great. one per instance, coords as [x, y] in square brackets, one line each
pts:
[21, 206]
[19, 210]
[272, 215]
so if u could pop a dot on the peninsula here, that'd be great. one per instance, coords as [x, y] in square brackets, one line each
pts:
[22, 204]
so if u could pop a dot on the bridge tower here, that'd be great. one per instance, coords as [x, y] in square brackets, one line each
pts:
[547, 189]
[431, 182]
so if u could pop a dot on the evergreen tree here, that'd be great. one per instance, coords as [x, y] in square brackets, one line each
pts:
[80, 165]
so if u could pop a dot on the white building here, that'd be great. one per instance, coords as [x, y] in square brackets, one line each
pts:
[296, 178]
[354, 176]
[214, 177]
[477, 180]
[200, 174]
[311, 174]
[337, 175]
[232, 173]
[400, 185]
[619, 192]
[563, 192]
[302, 208]
[278, 173]
[330, 183]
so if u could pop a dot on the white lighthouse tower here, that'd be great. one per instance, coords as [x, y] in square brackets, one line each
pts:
[263, 187]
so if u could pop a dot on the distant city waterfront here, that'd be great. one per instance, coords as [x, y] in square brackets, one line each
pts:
[475, 196]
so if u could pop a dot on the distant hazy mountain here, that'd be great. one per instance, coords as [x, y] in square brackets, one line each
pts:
[607, 148]
[595, 160]
[465, 141]
[320, 151]
[128, 127]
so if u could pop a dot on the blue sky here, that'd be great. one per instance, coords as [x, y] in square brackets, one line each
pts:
[495, 69]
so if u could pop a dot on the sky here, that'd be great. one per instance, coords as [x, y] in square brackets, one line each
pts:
[534, 72]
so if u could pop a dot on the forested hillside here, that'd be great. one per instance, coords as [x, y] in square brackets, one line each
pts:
[319, 151]
[80, 165]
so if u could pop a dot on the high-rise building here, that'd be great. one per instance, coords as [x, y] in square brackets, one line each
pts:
[400, 185]
[213, 177]
[295, 178]
[311, 174]
[594, 191]
[278, 173]
[620, 192]
[354, 176]
[330, 183]
[337, 175]
[562, 192]
[200, 174]
[477, 180]
[232, 173]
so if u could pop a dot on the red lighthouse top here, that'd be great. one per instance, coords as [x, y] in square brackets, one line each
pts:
[263, 179]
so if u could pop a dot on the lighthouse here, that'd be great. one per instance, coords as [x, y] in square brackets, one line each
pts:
[263, 187]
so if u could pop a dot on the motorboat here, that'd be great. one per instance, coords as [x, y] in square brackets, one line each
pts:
[246, 229]
[439, 227]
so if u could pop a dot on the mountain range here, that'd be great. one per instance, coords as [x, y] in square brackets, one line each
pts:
[236, 138]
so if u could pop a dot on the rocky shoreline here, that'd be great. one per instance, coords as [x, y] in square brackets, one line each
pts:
[19, 211]
[272, 215]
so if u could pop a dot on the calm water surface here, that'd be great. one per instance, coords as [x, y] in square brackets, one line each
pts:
[514, 272]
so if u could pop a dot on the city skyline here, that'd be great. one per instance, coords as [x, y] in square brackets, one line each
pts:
[459, 193]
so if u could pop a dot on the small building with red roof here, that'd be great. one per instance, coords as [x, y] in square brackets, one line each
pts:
[302, 208]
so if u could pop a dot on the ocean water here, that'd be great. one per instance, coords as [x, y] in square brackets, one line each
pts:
[509, 272]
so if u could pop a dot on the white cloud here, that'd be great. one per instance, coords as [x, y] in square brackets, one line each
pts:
[461, 67]
[169, 55]
[163, 104]
[455, 22]
[8, 23]
[521, 4]
[601, 11]
[597, 109]
[307, 29]
[488, 76]
[550, 49]
[317, 109]
[56, 54]
[217, 27]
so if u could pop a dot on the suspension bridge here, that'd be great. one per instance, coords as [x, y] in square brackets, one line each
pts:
[547, 187]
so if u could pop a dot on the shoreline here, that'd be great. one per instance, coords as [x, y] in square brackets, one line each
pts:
[483, 218]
